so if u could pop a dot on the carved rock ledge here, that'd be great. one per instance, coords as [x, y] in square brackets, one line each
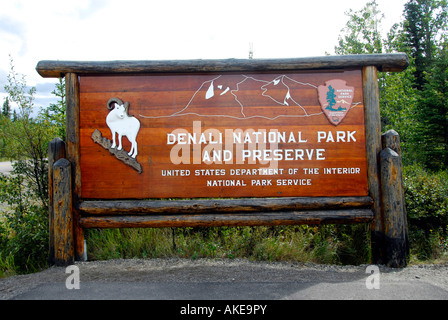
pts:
[121, 155]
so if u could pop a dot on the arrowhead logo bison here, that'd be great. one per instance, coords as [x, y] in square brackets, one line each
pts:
[335, 98]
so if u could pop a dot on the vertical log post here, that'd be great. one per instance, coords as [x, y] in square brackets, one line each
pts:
[73, 155]
[63, 216]
[56, 151]
[391, 139]
[396, 242]
[373, 148]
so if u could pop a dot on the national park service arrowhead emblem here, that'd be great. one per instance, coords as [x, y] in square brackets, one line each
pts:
[335, 99]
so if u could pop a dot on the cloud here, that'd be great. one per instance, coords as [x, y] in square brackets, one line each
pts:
[8, 25]
[91, 8]
[12, 35]
[3, 77]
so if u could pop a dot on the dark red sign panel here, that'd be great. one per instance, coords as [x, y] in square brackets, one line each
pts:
[222, 135]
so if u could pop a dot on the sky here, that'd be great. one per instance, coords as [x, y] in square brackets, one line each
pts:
[103, 30]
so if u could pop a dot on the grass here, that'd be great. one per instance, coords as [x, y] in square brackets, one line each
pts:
[327, 244]
[324, 244]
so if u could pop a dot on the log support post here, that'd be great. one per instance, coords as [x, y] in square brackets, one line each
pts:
[63, 240]
[395, 234]
[373, 148]
[56, 151]
[73, 155]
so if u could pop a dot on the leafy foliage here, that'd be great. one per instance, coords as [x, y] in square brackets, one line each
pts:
[414, 103]
[319, 244]
[24, 227]
[427, 198]
[55, 113]
[361, 33]
[424, 27]
[24, 193]
[27, 136]
[433, 114]
[427, 208]
[424, 37]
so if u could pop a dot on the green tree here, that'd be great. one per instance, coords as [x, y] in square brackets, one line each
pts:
[398, 97]
[411, 102]
[398, 104]
[432, 129]
[414, 103]
[424, 26]
[6, 109]
[331, 98]
[424, 32]
[27, 137]
[24, 193]
[6, 113]
[362, 31]
[55, 113]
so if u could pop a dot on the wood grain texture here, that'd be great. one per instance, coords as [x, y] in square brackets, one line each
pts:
[391, 139]
[56, 151]
[64, 245]
[232, 220]
[166, 103]
[207, 206]
[384, 62]
[373, 136]
[395, 230]
[73, 154]
[396, 239]
[119, 154]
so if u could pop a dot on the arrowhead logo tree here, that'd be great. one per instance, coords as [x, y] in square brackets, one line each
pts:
[335, 98]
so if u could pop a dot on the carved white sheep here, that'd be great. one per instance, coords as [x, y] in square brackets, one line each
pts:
[119, 122]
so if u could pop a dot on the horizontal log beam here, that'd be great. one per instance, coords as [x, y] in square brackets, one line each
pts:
[204, 206]
[384, 62]
[231, 220]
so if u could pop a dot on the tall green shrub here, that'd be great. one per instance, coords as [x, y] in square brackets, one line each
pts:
[23, 227]
[24, 193]
[426, 196]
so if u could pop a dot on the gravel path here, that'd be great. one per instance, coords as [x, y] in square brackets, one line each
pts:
[183, 273]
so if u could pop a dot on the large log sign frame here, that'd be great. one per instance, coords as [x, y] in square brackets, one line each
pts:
[225, 143]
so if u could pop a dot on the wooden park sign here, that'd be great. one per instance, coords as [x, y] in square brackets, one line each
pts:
[220, 143]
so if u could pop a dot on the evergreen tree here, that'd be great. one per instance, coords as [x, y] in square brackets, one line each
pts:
[331, 98]
[424, 39]
[6, 109]
[425, 24]
[432, 129]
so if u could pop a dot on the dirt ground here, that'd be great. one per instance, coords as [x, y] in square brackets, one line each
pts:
[185, 271]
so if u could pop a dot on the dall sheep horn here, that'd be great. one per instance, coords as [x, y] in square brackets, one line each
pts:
[116, 100]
